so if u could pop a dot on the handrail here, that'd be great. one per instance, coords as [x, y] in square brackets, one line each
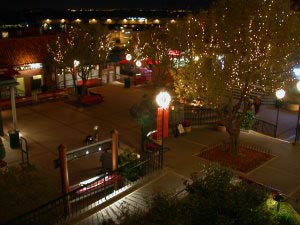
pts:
[89, 149]
[91, 145]
[265, 122]
[287, 131]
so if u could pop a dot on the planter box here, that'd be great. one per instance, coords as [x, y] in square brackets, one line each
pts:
[221, 128]
[188, 129]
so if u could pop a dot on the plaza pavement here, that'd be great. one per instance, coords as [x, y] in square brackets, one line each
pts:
[47, 125]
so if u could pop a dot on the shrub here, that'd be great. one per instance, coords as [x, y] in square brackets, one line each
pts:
[126, 163]
[248, 120]
[283, 218]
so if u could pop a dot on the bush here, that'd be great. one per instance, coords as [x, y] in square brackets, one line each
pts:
[285, 219]
[126, 163]
[248, 120]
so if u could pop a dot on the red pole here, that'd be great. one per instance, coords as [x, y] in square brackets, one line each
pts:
[114, 149]
[62, 149]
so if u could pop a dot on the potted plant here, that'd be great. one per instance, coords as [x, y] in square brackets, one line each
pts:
[3, 164]
[221, 126]
[187, 125]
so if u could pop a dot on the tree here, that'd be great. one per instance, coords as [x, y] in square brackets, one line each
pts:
[237, 45]
[145, 113]
[80, 50]
[151, 46]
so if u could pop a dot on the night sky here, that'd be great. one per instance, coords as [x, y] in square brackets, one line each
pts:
[102, 4]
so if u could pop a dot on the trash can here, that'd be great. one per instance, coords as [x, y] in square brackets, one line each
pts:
[127, 82]
[14, 138]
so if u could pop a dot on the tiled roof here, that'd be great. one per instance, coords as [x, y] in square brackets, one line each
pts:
[20, 51]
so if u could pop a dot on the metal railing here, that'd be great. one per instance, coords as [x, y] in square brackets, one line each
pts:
[288, 134]
[264, 127]
[89, 149]
[196, 115]
[24, 151]
[68, 207]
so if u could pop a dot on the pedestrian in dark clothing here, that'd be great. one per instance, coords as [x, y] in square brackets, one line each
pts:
[257, 103]
[106, 161]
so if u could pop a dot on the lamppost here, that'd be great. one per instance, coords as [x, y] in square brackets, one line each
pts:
[279, 95]
[163, 100]
[297, 126]
[75, 63]
[128, 57]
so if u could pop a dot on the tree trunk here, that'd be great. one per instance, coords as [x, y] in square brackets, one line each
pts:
[84, 88]
[233, 129]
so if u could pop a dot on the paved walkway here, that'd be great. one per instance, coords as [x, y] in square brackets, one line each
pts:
[47, 125]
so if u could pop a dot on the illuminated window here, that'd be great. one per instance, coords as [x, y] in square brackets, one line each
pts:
[37, 77]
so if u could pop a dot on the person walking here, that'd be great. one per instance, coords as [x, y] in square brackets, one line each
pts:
[106, 161]
[257, 103]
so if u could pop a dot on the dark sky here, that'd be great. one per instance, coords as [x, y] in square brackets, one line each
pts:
[100, 4]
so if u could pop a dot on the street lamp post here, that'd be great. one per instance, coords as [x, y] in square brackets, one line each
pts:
[279, 95]
[297, 125]
[163, 100]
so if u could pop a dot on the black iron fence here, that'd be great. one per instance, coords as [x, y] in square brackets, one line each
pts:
[198, 116]
[92, 193]
[264, 127]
